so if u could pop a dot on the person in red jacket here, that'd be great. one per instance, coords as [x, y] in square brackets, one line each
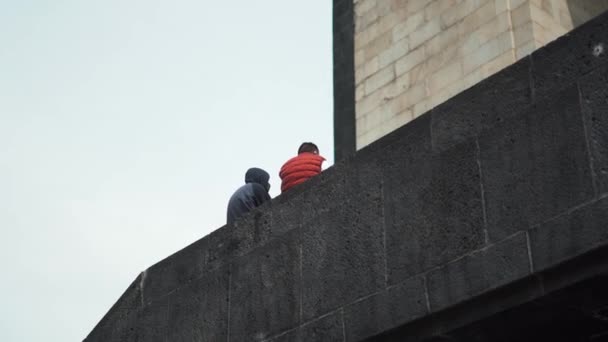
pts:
[301, 167]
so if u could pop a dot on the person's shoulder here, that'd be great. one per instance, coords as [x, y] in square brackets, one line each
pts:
[304, 158]
[256, 186]
[259, 191]
[240, 193]
[288, 164]
[312, 156]
[293, 159]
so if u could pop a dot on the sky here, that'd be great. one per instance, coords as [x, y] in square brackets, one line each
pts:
[125, 126]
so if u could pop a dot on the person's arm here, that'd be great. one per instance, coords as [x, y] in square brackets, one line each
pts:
[261, 195]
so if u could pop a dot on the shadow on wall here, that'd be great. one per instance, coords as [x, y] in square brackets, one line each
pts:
[582, 11]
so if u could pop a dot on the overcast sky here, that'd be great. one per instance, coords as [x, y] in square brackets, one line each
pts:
[125, 126]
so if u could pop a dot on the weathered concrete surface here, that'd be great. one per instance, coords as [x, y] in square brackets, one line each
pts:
[344, 79]
[487, 207]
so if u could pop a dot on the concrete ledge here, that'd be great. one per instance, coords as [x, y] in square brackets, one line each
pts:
[577, 284]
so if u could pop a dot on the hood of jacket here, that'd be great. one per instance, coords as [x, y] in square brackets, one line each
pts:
[257, 175]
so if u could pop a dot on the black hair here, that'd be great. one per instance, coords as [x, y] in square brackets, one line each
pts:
[308, 147]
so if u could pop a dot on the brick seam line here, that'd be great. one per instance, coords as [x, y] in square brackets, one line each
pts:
[483, 193]
[587, 142]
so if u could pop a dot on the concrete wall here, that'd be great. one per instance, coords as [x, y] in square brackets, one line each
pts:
[504, 183]
[412, 55]
[345, 139]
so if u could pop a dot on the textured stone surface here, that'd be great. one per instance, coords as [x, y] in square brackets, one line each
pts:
[481, 271]
[153, 322]
[307, 202]
[594, 96]
[327, 328]
[441, 324]
[481, 107]
[433, 207]
[344, 79]
[456, 41]
[231, 241]
[388, 309]
[565, 273]
[287, 213]
[439, 46]
[316, 202]
[563, 61]
[342, 256]
[265, 291]
[174, 271]
[198, 311]
[568, 315]
[290, 336]
[120, 323]
[535, 166]
[570, 235]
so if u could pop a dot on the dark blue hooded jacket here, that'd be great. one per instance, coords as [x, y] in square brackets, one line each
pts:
[250, 195]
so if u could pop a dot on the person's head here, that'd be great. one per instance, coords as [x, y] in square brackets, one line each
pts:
[308, 147]
[257, 175]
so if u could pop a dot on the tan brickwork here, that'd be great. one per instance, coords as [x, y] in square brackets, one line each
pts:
[411, 55]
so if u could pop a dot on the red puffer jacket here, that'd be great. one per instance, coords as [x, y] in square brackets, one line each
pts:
[298, 169]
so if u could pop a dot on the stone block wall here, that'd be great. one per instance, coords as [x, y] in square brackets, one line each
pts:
[411, 55]
[538, 22]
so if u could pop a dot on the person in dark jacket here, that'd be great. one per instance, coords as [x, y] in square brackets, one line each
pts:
[300, 168]
[250, 195]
